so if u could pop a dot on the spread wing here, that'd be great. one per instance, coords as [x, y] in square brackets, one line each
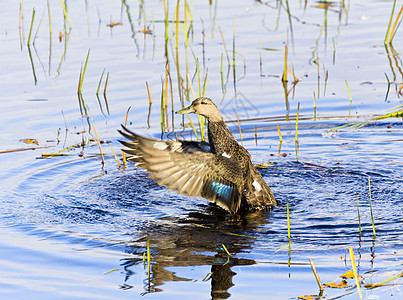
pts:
[188, 168]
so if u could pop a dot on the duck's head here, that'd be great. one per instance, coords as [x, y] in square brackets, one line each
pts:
[205, 107]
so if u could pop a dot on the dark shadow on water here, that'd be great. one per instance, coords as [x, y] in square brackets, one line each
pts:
[197, 240]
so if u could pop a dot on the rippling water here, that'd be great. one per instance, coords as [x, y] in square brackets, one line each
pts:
[71, 228]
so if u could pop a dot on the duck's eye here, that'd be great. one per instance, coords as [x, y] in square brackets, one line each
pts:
[203, 102]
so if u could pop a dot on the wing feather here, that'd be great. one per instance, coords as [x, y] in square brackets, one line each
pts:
[188, 168]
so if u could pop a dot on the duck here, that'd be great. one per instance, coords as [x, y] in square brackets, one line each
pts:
[220, 171]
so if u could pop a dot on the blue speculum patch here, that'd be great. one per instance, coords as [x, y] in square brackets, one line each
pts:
[222, 190]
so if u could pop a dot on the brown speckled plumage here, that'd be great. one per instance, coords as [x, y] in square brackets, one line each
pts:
[220, 171]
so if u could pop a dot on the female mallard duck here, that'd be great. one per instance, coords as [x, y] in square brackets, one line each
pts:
[220, 171]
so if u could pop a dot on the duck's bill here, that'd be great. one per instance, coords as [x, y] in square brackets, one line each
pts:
[186, 110]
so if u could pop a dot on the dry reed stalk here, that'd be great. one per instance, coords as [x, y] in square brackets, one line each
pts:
[314, 105]
[96, 135]
[357, 281]
[239, 126]
[225, 46]
[296, 125]
[190, 120]
[166, 96]
[124, 154]
[148, 93]
[279, 133]
[114, 154]
[316, 275]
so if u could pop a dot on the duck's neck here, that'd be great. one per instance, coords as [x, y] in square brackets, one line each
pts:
[220, 137]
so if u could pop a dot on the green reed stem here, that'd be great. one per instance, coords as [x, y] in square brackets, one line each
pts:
[166, 96]
[148, 252]
[279, 133]
[317, 68]
[32, 24]
[50, 21]
[371, 286]
[83, 74]
[201, 120]
[387, 91]
[105, 87]
[226, 250]
[177, 25]
[32, 64]
[284, 78]
[148, 258]
[65, 13]
[233, 53]
[390, 22]
[166, 27]
[222, 73]
[204, 84]
[162, 107]
[351, 99]
[100, 80]
[239, 126]
[260, 59]
[334, 51]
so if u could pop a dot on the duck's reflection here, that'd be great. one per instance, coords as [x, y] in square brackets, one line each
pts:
[201, 239]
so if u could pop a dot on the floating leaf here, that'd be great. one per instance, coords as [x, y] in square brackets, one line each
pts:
[309, 297]
[263, 165]
[30, 141]
[349, 275]
[146, 31]
[339, 285]
[113, 24]
[323, 5]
